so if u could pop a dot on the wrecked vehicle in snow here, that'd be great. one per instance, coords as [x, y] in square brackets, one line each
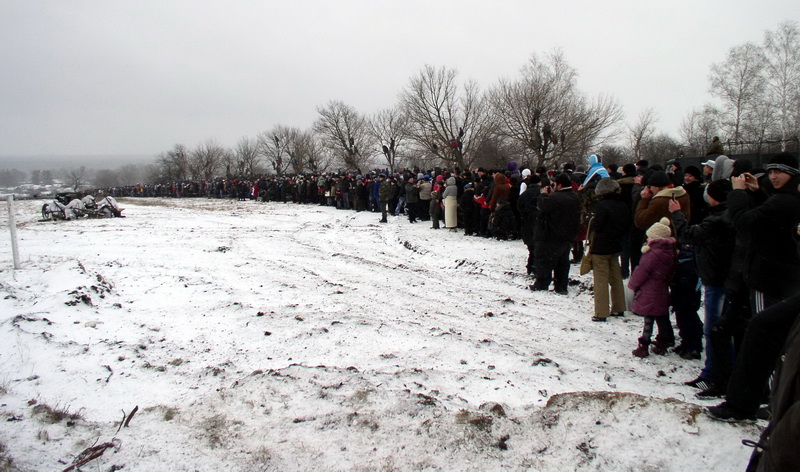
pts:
[70, 206]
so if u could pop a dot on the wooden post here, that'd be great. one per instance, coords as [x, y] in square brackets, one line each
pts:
[13, 227]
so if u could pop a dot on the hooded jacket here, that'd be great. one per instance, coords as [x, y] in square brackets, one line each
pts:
[650, 280]
[723, 167]
[451, 190]
[596, 169]
[501, 190]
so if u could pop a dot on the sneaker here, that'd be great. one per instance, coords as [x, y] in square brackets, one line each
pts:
[699, 383]
[598, 318]
[728, 413]
[709, 393]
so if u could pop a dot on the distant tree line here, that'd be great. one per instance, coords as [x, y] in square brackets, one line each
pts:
[538, 118]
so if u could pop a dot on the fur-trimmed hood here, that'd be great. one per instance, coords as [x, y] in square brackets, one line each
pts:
[664, 244]
[677, 192]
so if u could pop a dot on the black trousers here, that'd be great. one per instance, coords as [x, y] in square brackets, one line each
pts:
[727, 334]
[763, 343]
[552, 264]
[685, 301]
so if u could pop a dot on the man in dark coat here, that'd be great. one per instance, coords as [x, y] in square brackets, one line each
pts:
[627, 259]
[773, 274]
[693, 184]
[556, 228]
[772, 267]
[529, 212]
[385, 191]
[470, 211]
[412, 199]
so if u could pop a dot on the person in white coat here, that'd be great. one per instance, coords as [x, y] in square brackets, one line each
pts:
[450, 199]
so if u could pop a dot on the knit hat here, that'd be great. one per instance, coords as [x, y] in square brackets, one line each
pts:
[784, 162]
[658, 179]
[526, 173]
[718, 190]
[659, 230]
[694, 172]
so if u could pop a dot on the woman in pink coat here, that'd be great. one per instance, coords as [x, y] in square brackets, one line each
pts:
[650, 283]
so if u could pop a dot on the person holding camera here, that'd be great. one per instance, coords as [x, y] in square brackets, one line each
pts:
[556, 228]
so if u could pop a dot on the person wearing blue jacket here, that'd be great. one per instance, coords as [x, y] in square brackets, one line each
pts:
[595, 169]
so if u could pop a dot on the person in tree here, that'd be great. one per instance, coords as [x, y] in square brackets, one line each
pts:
[715, 148]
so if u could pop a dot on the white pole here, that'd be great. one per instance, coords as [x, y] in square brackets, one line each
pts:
[13, 225]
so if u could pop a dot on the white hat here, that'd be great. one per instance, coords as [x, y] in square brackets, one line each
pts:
[659, 230]
[709, 163]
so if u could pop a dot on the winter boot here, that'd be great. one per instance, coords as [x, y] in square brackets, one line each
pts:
[641, 351]
[661, 345]
[659, 349]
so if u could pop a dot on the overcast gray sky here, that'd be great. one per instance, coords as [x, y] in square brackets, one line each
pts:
[136, 77]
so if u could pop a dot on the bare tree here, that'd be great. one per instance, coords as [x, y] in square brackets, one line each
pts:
[318, 158]
[345, 132]
[641, 131]
[494, 152]
[285, 148]
[782, 55]
[738, 83]
[272, 145]
[445, 119]
[614, 154]
[206, 159]
[389, 127]
[698, 129]
[247, 157]
[294, 141]
[173, 165]
[545, 113]
[660, 148]
[77, 177]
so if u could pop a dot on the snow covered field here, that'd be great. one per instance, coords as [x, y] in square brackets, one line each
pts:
[258, 337]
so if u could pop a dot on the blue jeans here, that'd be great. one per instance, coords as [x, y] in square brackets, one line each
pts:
[714, 302]
[401, 204]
